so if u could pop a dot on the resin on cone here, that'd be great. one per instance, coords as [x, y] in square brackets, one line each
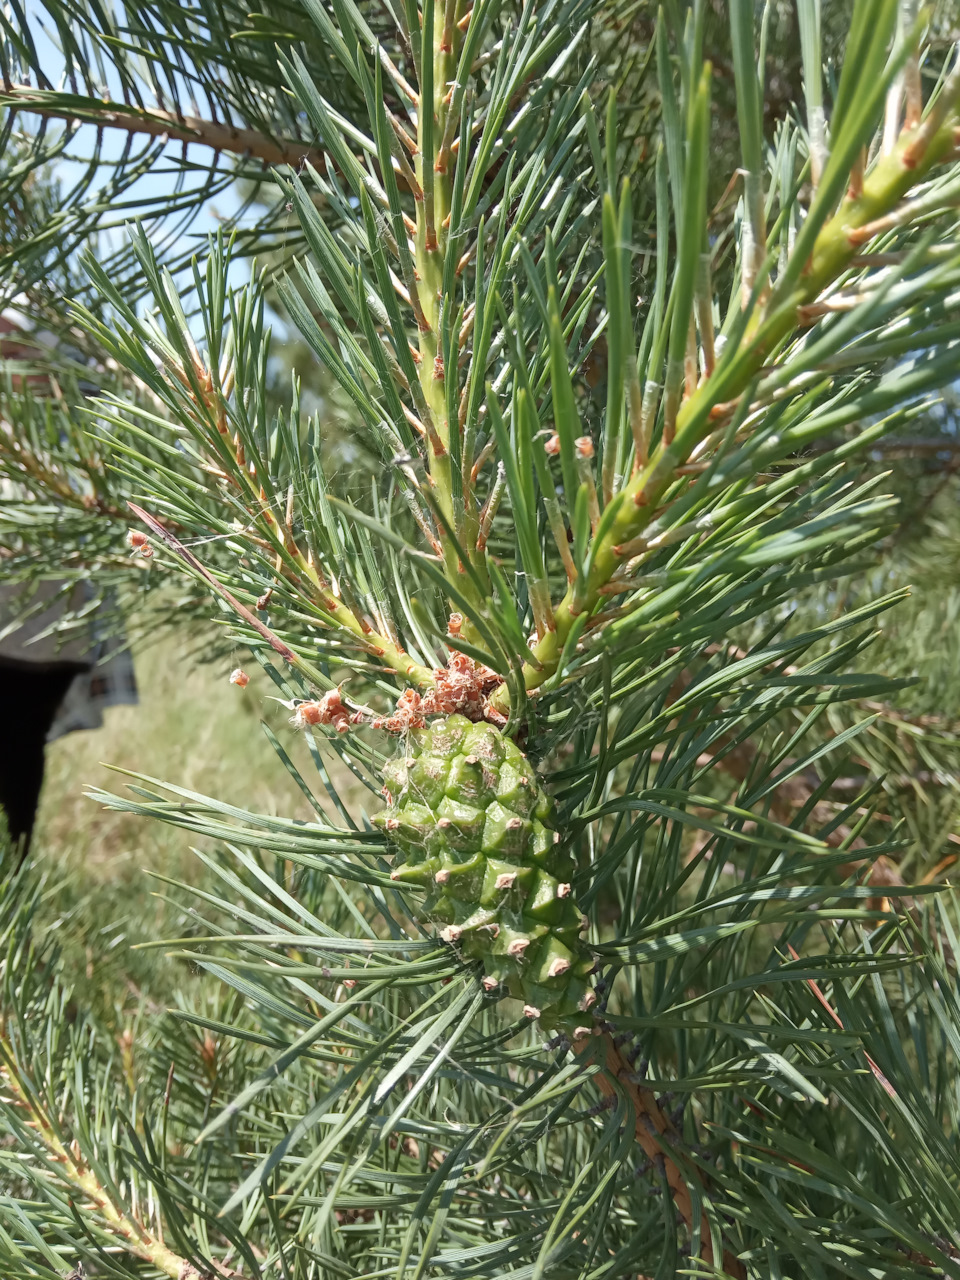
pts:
[473, 827]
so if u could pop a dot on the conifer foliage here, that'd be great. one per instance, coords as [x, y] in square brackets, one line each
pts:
[550, 998]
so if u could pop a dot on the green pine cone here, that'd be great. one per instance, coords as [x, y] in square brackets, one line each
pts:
[472, 825]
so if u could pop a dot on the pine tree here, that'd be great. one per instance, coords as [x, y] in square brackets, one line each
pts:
[592, 981]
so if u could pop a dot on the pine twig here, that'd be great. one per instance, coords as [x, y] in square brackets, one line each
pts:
[382, 647]
[657, 1137]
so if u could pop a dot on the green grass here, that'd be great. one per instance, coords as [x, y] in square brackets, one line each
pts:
[193, 728]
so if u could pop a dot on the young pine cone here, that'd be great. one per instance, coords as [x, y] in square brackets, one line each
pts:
[472, 825]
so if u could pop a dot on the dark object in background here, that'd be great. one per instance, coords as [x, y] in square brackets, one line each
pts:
[54, 678]
[30, 694]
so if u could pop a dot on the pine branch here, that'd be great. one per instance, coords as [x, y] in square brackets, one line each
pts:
[656, 1136]
[379, 646]
[826, 254]
[166, 125]
[442, 40]
[103, 1203]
